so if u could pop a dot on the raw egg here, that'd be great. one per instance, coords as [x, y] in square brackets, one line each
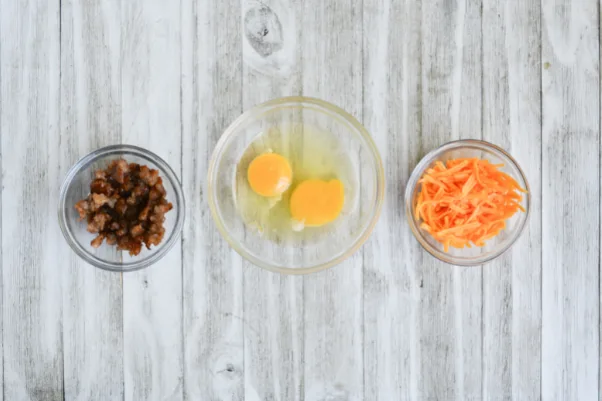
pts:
[269, 175]
[314, 203]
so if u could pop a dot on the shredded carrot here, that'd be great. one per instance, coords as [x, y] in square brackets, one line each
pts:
[464, 201]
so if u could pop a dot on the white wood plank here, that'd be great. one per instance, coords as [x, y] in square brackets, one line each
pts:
[29, 117]
[152, 298]
[212, 273]
[273, 303]
[570, 199]
[90, 119]
[450, 315]
[331, 48]
[512, 120]
[392, 274]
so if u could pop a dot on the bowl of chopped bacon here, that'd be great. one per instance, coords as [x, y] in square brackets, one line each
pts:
[467, 202]
[121, 208]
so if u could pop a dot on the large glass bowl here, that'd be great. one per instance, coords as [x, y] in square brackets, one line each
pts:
[288, 122]
[495, 246]
[77, 186]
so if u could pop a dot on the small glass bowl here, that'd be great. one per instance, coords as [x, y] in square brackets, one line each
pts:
[495, 246]
[291, 121]
[76, 186]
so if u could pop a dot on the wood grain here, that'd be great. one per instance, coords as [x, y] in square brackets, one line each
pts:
[31, 298]
[90, 118]
[392, 114]
[391, 323]
[273, 303]
[570, 195]
[331, 44]
[450, 303]
[32, 346]
[212, 274]
[512, 120]
[152, 298]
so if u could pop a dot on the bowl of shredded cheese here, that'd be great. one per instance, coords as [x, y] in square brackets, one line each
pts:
[467, 202]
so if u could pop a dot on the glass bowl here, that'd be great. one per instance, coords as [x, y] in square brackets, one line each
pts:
[76, 186]
[495, 246]
[300, 128]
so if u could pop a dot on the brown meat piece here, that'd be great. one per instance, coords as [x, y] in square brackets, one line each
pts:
[93, 227]
[159, 187]
[156, 218]
[132, 200]
[120, 169]
[153, 239]
[121, 206]
[150, 177]
[97, 242]
[127, 243]
[101, 220]
[99, 186]
[111, 239]
[140, 190]
[154, 195]
[82, 207]
[143, 216]
[137, 230]
[99, 200]
[122, 231]
[100, 175]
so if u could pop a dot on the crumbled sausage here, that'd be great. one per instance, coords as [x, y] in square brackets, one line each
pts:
[93, 227]
[99, 200]
[120, 170]
[137, 230]
[140, 190]
[111, 239]
[150, 177]
[144, 213]
[154, 195]
[100, 186]
[131, 200]
[122, 230]
[159, 187]
[126, 207]
[97, 242]
[100, 175]
[153, 239]
[82, 207]
[121, 206]
[101, 219]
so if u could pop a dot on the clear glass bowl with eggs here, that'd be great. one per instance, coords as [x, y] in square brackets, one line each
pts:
[320, 141]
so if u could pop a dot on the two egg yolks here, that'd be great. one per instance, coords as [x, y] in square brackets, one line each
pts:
[313, 202]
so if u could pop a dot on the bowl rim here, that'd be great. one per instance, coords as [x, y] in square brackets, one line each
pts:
[166, 172]
[338, 112]
[412, 186]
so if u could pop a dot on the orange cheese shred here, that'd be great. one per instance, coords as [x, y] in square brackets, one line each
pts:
[466, 201]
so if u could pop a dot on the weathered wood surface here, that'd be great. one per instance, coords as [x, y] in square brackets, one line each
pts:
[570, 192]
[512, 119]
[391, 323]
[274, 336]
[151, 112]
[90, 117]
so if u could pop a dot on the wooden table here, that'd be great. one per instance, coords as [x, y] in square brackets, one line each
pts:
[391, 323]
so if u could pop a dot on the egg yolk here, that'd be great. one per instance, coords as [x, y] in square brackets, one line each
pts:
[316, 202]
[269, 174]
